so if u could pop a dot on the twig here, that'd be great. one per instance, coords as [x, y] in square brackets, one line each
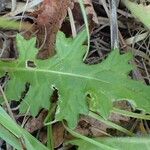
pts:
[114, 24]
[13, 5]
[20, 10]
[72, 23]
[25, 7]
[25, 118]
[105, 6]
[7, 104]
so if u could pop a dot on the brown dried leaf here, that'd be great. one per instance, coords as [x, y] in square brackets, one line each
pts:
[58, 134]
[92, 17]
[117, 118]
[34, 124]
[49, 21]
[43, 136]
[91, 127]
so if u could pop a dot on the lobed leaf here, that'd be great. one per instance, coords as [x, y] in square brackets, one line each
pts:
[104, 83]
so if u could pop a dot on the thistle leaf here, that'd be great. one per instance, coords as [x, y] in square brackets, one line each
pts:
[104, 83]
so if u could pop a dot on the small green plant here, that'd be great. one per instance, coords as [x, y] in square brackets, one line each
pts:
[105, 82]
[81, 87]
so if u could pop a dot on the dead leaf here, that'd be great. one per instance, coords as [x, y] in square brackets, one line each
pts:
[91, 127]
[49, 21]
[43, 136]
[92, 17]
[34, 124]
[117, 118]
[8, 48]
[58, 134]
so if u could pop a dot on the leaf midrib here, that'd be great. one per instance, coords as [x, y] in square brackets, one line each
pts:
[18, 69]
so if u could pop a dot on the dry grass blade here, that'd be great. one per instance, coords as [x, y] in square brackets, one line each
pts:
[114, 24]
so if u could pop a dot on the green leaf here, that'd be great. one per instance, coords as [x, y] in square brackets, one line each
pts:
[6, 135]
[13, 134]
[139, 11]
[105, 82]
[7, 23]
[129, 143]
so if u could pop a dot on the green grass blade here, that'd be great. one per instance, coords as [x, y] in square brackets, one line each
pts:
[10, 138]
[139, 11]
[6, 23]
[131, 114]
[127, 143]
[86, 25]
[89, 140]
[111, 124]
[11, 132]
